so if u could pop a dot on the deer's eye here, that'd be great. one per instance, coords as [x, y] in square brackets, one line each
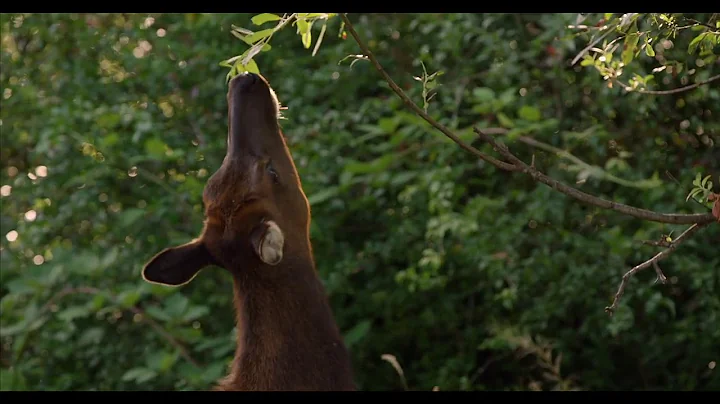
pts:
[271, 171]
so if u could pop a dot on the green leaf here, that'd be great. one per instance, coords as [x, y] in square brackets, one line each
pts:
[529, 113]
[250, 53]
[30, 321]
[109, 258]
[97, 302]
[251, 67]
[388, 125]
[698, 178]
[242, 36]
[435, 75]
[256, 36]
[357, 333]
[704, 181]
[12, 380]
[629, 47]
[373, 166]
[692, 193]
[307, 39]
[240, 30]
[214, 371]
[176, 305]
[608, 57]
[229, 62]
[404, 177]
[73, 312]
[622, 320]
[695, 42]
[483, 94]
[129, 298]
[302, 25]
[161, 361]
[316, 15]
[649, 50]
[22, 285]
[108, 120]
[504, 120]
[196, 312]
[587, 61]
[17, 328]
[317, 198]
[91, 336]
[155, 147]
[140, 375]
[129, 216]
[261, 19]
[157, 313]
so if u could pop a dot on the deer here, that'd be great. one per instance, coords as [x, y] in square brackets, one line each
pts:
[257, 227]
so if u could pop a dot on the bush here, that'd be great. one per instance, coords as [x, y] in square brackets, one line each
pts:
[473, 278]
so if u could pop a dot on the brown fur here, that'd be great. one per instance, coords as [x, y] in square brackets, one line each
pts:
[287, 336]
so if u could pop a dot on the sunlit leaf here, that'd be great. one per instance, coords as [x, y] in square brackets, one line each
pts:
[261, 19]
[139, 375]
[529, 113]
[155, 147]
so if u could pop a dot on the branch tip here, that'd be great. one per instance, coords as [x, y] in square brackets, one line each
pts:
[654, 262]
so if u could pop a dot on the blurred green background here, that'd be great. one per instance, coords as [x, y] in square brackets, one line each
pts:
[473, 278]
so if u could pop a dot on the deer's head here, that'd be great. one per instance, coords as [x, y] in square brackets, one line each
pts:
[255, 209]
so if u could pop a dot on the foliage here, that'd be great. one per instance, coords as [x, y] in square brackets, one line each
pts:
[468, 277]
[703, 188]
[651, 34]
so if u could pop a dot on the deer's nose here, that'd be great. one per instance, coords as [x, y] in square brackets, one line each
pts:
[243, 81]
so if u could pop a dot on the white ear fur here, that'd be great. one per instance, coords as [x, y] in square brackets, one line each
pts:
[270, 249]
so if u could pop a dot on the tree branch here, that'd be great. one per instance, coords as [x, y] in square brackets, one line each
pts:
[671, 218]
[668, 92]
[410, 104]
[704, 24]
[651, 262]
[598, 172]
[513, 163]
[610, 29]
[516, 164]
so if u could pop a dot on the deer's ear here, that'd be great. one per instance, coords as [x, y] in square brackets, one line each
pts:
[268, 240]
[177, 266]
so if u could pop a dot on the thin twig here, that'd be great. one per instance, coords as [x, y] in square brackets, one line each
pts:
[419, 111]
[668, 92]
[704, 24]
[483, 368]
[396, 365]
[593, 43]
[658, 243]
[671, 218]
[678, 182]
[660, 275]
[654, 262]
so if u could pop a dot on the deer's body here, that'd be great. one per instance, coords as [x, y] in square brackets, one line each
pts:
[287, 337]
[257, 227]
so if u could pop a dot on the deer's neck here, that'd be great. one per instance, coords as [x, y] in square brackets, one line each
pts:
[287, 335]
